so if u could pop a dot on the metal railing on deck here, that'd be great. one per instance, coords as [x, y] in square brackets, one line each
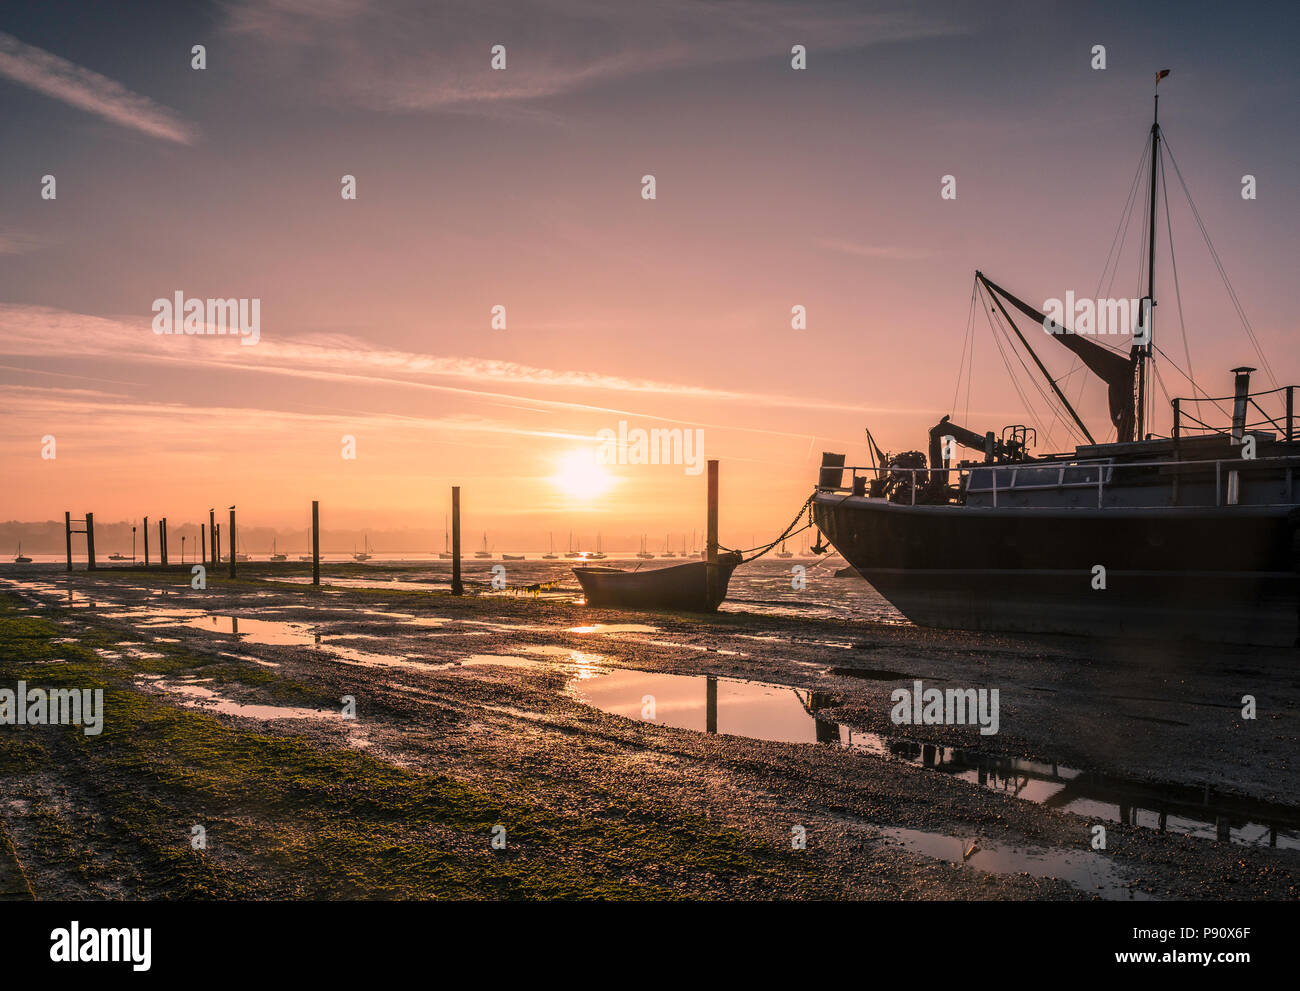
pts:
[925, 478]
[1283, 421]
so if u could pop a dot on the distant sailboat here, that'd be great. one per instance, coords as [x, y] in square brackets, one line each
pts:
[644, 554]
[552, 556]
[783, 552]
[446, 554]
[572, 552]
[365, 554]
[20, 558]
[484, 553]
[667, 552]
[307, 557]
[239, 555]
[118, 557]
[597, 554]
[512, 557]
[275, 554]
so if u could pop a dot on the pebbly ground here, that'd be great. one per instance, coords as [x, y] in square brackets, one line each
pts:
[402, 801]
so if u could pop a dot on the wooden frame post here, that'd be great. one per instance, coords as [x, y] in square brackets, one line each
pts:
[456, 587]
[712, 570]
[315, 542]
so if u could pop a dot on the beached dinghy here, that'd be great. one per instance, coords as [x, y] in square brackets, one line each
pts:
[682, 586]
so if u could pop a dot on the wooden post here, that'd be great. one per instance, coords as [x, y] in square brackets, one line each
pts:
[712, 570]
[162, 541]
[315, 542]
[90, 541]
[67, 534]
[232, 541]
[203, 541]
[145, 530]
[456, 587]
[212, 534]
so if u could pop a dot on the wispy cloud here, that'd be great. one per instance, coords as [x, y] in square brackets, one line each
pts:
[37, 331]
[56, 77]
[413, 55]
[884, 251]
[16, 242]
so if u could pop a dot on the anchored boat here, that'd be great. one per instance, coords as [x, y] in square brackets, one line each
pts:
[1193, 533]
[680, 586]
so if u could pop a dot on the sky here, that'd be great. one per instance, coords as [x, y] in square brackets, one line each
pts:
[523, 187]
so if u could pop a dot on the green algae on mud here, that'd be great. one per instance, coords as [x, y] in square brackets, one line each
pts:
[286, 816]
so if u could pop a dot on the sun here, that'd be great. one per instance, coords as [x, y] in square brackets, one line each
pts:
[577, 474]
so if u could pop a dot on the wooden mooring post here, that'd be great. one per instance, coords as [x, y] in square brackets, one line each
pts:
[203, 541]
[456, 587]
[212, 535]
[712, 570]
[162, 541]
[145, 530]
[315, 542]
[67, 534]
[232, 541]
[90, 541]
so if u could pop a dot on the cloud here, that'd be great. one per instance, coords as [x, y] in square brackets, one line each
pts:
[38, 331]
[73, 84]
[410, 55]
[885, 251]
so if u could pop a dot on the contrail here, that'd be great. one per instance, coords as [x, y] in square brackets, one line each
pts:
[57, 77]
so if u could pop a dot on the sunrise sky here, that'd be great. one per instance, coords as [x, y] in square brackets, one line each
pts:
[522, 188]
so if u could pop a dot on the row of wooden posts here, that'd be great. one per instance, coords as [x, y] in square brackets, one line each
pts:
[211, 548]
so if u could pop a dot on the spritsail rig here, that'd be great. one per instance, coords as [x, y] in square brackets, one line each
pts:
[1191, 532]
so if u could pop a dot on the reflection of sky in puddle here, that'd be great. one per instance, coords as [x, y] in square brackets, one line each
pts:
[784, 714]
[383, 583]
[583, 665]
[198, 696]
[1087, 871]
[614, 628]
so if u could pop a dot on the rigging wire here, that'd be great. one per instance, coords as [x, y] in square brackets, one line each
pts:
[967, 345]
[1223, 274]
[1173, 266]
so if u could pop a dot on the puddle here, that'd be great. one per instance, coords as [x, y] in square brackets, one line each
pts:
[871, 674]
[501, 660]
[196, 696]
[1087, 871]
[585, 665]
[614, 628]
[760, 711]
[381, 583]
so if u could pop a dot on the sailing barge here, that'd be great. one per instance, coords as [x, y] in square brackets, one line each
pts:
[1193, 533]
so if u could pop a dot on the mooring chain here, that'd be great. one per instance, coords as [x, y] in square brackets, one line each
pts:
[789, 532]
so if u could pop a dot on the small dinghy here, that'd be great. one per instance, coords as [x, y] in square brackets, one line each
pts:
[681, 586]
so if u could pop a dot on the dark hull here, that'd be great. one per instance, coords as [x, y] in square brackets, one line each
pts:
[679, 587]
[1225, 574]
